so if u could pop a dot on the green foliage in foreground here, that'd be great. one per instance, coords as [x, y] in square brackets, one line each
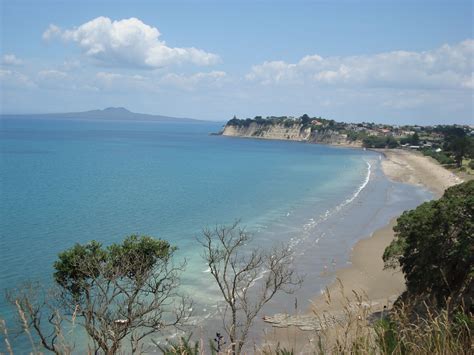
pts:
[434, 245]
[437, 333]
[136, 255]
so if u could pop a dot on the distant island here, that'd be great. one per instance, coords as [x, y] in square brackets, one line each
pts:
[450, 145]
[107, 114]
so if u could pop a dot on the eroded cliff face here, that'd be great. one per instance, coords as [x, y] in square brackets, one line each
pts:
[277, 131]
[294, 133]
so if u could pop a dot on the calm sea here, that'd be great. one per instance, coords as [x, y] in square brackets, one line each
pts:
[63, 182]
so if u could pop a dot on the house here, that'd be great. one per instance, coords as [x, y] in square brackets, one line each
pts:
[385, 131]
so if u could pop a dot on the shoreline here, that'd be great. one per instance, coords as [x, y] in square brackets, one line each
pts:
[412, 167]
[365, 276]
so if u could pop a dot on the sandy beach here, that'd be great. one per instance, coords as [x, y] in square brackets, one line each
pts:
[414, 168]
[365, 276]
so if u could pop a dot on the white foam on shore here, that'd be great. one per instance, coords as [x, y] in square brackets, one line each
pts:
[359, 189]
[308, 229]
[313, 222]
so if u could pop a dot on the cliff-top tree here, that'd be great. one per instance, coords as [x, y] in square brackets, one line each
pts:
[247, 279]
[121, 293]
[434, 245]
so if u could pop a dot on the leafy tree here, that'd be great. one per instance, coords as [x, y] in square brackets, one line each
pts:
[120, 293]
[434, 245]
[461, 147]
[391, 142]
[236, 270]
[441, 157]
[415, 139]
[379, 142]
[305, 120]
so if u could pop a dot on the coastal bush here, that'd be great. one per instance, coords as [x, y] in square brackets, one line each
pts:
[441, 157]
[289, 123]
[121, 293]
[434, 245]
[379, 142]
[460, 146]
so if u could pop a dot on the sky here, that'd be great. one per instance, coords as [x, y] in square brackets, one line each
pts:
[388, 61]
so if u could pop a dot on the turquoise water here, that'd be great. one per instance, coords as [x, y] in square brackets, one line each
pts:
[64, 182]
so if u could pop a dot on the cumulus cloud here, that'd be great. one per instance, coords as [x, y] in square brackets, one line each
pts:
[128, 42]
[11, 59]
[447, 67]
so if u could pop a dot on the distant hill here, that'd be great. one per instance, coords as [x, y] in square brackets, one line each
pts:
[108, 114]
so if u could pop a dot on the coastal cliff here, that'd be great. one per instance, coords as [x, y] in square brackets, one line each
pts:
[280, 128]
[275, 131]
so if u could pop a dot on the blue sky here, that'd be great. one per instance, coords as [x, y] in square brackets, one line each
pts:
[384, 61]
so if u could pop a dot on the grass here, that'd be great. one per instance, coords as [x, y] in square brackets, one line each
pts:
[357, 327]
[365, 330]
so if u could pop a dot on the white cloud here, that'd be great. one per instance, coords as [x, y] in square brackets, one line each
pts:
[71, 64]
[51, 32]
[191, 82]
[15, 79]
[128, 42]
[57, 80]
[52, 74]
[123, 82]
[11, 59]
[447, 67]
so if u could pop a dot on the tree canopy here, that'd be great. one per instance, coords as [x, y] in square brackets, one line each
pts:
[434, 245]
[123, 292]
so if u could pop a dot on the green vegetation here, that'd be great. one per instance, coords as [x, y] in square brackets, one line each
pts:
[434, 245]
[379, 142]
[117, 294]
[457, 143]
[413, 139]
[304, 121]
[269, 121]
[441, 157]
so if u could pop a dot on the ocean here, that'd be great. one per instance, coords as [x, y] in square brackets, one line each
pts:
[65, 182]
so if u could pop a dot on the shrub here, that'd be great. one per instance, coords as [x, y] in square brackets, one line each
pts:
[434, 245]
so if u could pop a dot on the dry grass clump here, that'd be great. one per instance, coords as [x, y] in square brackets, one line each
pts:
[356, 325]
[365, 329]
[349, 325]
